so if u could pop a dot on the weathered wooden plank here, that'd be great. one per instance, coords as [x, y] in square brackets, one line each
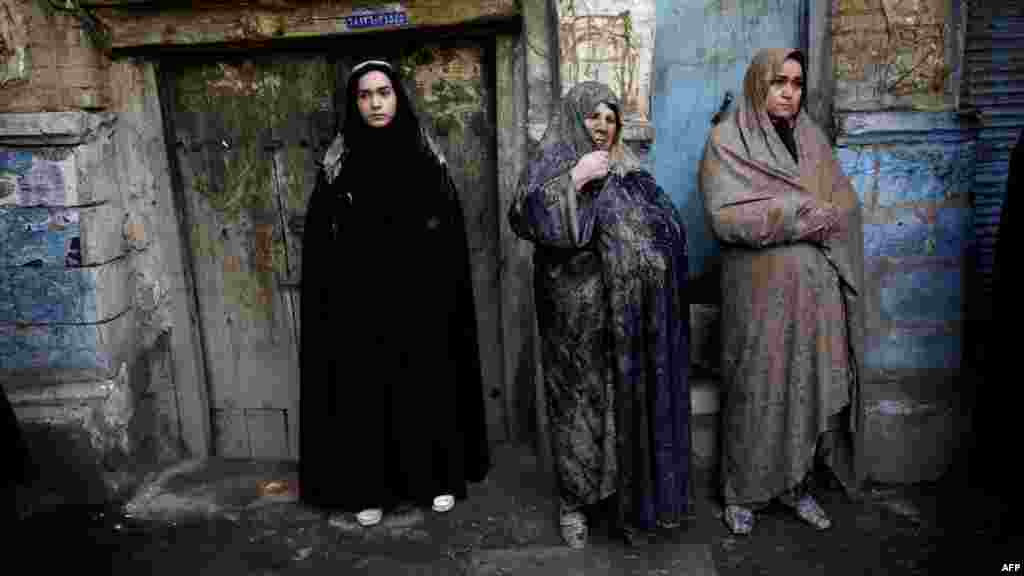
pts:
[516, 275]
[223, 22]
[189, 371]
[206, 254]
[452, 89]
[268, 434]
[247, 135]
[297, 148]
[540, 44]
[232, 436]
[542, 73]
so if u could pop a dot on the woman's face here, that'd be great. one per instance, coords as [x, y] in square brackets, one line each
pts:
[376, 99]
[601, 126]
[786, 90]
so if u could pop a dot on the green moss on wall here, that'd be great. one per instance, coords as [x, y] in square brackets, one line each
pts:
[245, 102]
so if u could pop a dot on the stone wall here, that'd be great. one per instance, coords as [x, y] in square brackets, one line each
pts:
[84, 316]
[893, 54]
[51, 60]
[98, 327]
[911, 159]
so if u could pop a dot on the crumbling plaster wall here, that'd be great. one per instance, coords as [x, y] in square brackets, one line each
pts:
[85, 317]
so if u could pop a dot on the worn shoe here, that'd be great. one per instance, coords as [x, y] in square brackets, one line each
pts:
[574, 530]
[809, 511]
[738, 519]
[369, 517]
[444, 503]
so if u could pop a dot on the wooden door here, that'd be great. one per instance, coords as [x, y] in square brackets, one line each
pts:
[248, 133]
[700, 57]
[452, 87]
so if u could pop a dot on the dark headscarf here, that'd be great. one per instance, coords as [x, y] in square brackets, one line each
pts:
[396, 157]
[403, 131]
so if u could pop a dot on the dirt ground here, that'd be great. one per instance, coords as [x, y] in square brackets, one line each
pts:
[211, 519]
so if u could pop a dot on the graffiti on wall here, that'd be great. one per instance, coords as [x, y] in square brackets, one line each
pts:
[46, 299]
[34, 229]
[889, 51]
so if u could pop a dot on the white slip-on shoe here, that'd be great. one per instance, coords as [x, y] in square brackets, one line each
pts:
[369, 517]
[444, 503]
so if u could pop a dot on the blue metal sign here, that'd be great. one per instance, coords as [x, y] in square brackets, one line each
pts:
[392, 18]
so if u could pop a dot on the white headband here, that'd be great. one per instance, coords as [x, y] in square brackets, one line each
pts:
[368, 63]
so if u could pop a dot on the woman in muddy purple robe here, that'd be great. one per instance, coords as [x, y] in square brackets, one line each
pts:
[610, 281]
[391, 390]
[792, 295]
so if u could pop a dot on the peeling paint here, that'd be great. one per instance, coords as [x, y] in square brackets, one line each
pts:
[891, 53]
[445, 83]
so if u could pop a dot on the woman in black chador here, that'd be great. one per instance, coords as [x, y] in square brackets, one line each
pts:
[391, 397]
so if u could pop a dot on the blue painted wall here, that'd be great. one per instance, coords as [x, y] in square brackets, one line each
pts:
[702, 49]
[913, 172]
[47, 301]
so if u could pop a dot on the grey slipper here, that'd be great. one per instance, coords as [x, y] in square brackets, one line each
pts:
[810, 511]
[574, 530]
[738, 519]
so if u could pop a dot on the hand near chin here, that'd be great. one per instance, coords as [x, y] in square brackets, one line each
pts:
[591, 166]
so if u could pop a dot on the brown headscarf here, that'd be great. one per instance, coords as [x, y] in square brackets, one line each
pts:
[746, 161]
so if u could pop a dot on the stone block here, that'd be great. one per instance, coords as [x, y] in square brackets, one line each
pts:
[44, 177]
[910, 174]
[857, 162]
[50, 294]
[927, 294]
[909, 441]
[915, 348]
[39, 236]
[910, 235]
[705, 442]
[50, 347]
[705, 335]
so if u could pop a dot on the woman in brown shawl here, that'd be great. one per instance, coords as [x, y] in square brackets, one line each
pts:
[792, 267]
[610, 282]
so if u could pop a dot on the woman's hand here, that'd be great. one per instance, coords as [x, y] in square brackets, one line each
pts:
[592, 166]
[832, 223]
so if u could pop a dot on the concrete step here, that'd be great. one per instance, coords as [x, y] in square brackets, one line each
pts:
[67, 397]
[704, 408]
[908, 440]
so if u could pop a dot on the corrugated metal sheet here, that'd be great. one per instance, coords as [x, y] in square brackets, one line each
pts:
[993, 85]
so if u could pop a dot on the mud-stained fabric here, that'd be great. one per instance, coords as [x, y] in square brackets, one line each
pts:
[610, 281]
[792, 296]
